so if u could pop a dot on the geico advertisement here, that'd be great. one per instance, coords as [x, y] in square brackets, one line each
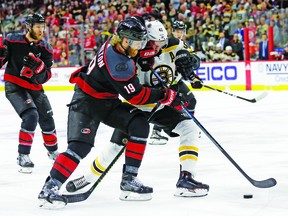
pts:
[214, 73]
[223, 73]
[270, 72]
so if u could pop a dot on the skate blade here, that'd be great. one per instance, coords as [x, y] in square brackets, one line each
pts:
[184, 192]
[25, 170]
[44, 204]
[131, 196]
[157, 142]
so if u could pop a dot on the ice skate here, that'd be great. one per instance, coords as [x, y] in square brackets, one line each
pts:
[52, 155]
[77, 184]
[188, 187]
[157, 138]
[25, 163]
[133, 189]
[50, 197]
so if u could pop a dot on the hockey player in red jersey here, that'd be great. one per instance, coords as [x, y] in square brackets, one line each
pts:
[111, 73]
[29, 59]
[173, 122]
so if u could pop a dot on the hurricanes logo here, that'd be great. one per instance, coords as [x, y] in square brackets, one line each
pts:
[166, 74]
[28, 101]
[85, 131]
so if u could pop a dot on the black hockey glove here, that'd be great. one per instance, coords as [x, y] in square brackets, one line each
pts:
[3, 52]
[186, 63]
[146, 63]
[196, 81]
[33, 63]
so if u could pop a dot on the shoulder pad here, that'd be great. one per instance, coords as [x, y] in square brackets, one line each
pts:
[46, 45]
[119, 66]
[172, 41]
[15, 37]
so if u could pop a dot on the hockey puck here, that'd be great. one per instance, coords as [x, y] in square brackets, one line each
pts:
[247, 196]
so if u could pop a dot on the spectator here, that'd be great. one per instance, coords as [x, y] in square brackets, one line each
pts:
[218, 54]
[284, 54]
[237, 46]
[229, 55]
[224, 42]
[263, 48]
[74, 52]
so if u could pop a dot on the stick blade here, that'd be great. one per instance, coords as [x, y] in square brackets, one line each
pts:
[76, 197]
[261, 96]
[268, 183]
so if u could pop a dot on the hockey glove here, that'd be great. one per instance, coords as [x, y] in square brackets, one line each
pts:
[186, 63]
[33, 63]
[196, 81]
[146, 64]
[169, 97]
[3, 52]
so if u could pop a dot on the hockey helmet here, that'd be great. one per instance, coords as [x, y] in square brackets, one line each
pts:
[157, 32]
[31, 19]
[133, 28]
[178, 25]
[218, 46]
[210, 44]
[228, 48]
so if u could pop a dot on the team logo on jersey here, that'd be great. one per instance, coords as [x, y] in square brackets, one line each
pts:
[28, 101]
[121, 67]
[38, 55]
[166, 74]
[85, 131]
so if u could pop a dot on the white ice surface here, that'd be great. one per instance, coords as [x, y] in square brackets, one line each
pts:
[254, 135]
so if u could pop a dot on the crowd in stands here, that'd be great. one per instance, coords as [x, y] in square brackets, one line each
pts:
[76, 29]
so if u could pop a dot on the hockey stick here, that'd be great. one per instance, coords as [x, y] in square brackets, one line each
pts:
[260, 184]
[253, 100]
[72, 198]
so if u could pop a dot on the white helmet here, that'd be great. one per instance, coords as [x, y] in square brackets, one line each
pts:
[218, 45]
[228, 48]
[210, 44]
[156, 31]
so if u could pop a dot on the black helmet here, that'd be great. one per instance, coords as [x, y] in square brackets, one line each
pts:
[31, 19]
[179, 25]
[132, 28]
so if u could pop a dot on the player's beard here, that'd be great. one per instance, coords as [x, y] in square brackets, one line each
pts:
[132, 52]
[34, 35]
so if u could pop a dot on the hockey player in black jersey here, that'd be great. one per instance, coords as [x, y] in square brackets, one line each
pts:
[111, 73]
[29, 59]
[173, 62]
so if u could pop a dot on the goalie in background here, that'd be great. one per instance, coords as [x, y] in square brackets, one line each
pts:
[173, 121]
[29, 59]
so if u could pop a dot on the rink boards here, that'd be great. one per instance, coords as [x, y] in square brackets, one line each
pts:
[254, 75]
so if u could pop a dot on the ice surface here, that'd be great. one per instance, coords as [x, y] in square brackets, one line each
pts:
[254, 135]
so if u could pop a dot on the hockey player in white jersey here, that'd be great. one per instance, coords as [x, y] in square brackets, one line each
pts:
[165, 56]
[176, 125]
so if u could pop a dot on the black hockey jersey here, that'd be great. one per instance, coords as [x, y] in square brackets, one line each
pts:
[19, 46]
[111, 74]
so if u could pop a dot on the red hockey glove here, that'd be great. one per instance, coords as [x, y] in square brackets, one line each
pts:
[33, 63]
[169, 97]
[26, 72]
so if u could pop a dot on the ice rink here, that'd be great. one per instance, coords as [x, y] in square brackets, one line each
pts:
[254, 134]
